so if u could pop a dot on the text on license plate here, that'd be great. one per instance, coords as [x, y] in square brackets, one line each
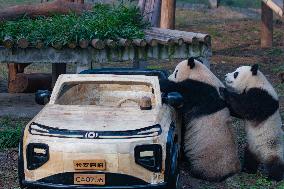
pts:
[97, 164]
[95, 179]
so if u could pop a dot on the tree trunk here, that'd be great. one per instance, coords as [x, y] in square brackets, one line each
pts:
[266, 26]
[43, 9]
[151, 11]
[168, 14]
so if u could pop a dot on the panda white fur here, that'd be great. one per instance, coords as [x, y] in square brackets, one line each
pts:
[251, 97]
[209, 145]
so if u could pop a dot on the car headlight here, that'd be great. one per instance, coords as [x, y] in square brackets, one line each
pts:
[149, 156]
[37, 155]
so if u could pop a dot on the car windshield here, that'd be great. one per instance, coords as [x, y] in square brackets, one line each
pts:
[114, 94]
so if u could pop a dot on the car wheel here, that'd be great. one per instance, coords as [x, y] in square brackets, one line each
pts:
[175, 183]
[178, 182]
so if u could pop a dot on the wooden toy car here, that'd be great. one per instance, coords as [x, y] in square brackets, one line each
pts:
[101, 130]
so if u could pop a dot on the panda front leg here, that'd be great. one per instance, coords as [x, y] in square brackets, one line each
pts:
[275, 168]
[251, 162]
[167, 86]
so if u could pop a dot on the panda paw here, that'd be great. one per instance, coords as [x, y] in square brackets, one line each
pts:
[167, 86]
[275, 169]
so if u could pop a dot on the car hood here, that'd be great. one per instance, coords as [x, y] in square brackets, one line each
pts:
[93, 118]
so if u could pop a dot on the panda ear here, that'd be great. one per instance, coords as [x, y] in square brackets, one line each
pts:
[191, 62]
[254, 69]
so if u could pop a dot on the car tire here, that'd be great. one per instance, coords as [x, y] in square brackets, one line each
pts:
[174, 181]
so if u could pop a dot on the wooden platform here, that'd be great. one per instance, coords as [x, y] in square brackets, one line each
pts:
[158, 44]
[275, 5]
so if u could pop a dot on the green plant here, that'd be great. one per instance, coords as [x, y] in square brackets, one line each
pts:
[10, 132]
[103, 22]
[261, 183]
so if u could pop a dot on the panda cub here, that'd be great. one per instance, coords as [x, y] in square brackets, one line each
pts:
[251, 97]
[209, 145]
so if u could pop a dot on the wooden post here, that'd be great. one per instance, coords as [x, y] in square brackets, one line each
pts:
[12, 73]
[266, 26]
[57, 69]
[168, 14]
[214, 3]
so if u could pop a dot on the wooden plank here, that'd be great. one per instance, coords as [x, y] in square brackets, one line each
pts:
[266, 26]
[189, 37]
[168, 14]
[275, 5]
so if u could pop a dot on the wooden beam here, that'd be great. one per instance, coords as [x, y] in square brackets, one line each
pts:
[57, 69]
[275, 5]
[168, 14]
[266, 26]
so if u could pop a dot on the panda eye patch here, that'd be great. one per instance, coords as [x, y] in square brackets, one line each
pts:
[176, 74]
[236, 74]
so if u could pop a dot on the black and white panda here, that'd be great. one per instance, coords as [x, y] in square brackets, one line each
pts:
[251, 97]
[209, 145]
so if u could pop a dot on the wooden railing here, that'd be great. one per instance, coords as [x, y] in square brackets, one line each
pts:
[267, 9]
[275, 5]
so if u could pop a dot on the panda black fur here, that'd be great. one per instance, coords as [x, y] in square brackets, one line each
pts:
[209, 145]
[251, 97]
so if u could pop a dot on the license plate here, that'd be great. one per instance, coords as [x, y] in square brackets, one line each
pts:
[97, 164]
[94, 179]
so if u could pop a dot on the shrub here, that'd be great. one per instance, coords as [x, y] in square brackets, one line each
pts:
[10, 132]
[103, 22]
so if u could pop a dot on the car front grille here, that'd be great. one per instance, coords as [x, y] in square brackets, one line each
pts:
[43, 130]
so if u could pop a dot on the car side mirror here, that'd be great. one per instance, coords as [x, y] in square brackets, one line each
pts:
[42, 97]
[174, 99]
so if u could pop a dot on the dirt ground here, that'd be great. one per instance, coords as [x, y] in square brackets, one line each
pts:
[235, 41]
